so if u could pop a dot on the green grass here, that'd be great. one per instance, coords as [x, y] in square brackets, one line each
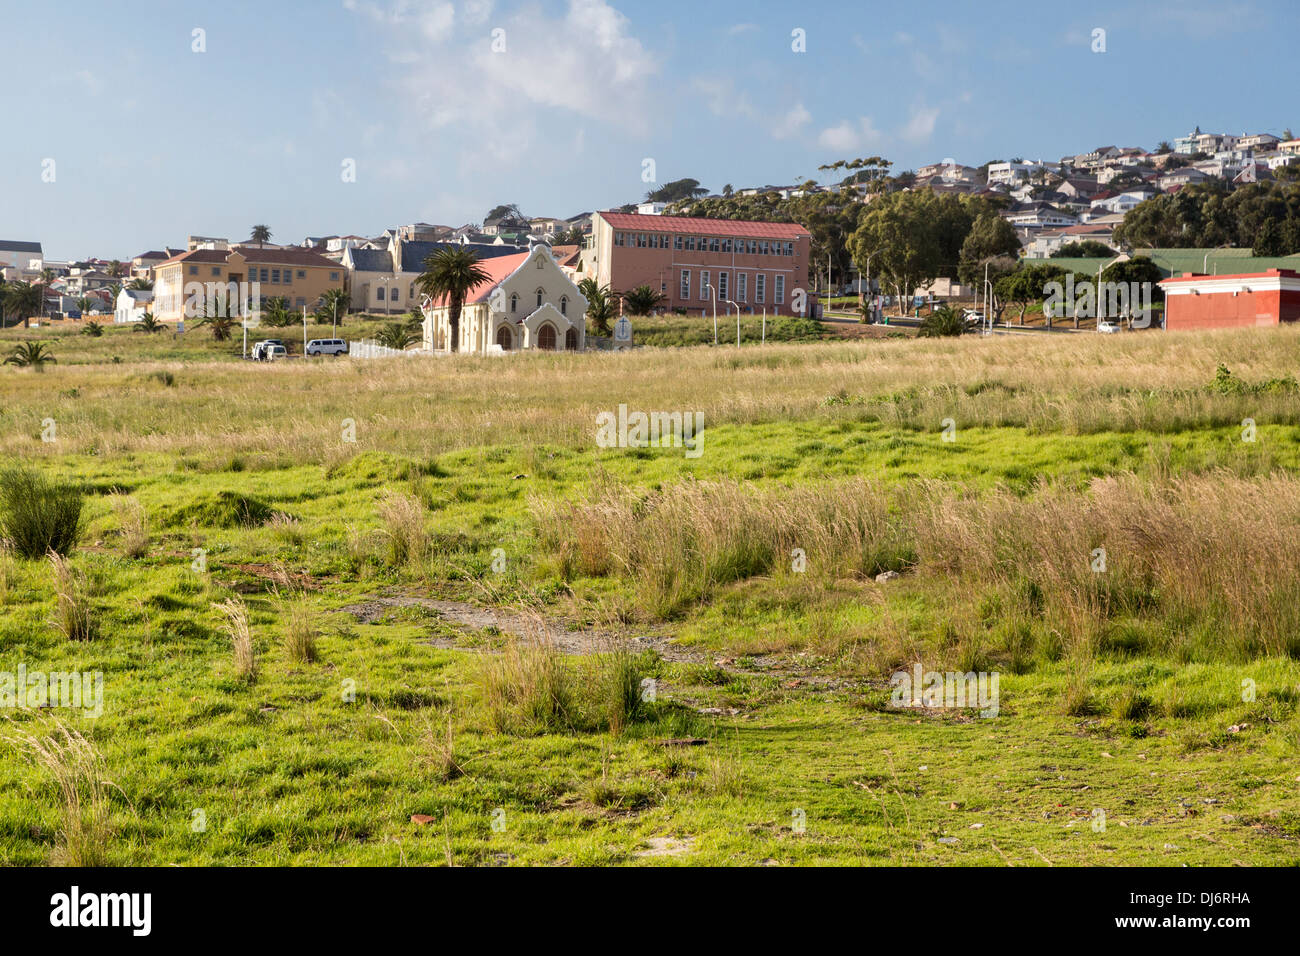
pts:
[323, 757]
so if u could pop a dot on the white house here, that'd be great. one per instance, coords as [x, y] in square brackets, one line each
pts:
[526, 302]
[132, 304]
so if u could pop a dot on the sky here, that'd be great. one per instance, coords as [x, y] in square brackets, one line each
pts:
[134, 124]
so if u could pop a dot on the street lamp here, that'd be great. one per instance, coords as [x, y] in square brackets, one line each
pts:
[730, 302]
[715, 311]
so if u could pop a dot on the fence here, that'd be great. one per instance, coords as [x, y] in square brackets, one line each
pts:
[369, 348]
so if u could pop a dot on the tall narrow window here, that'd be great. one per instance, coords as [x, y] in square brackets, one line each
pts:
[704, 283]
[760, 288]
[686, 284]
[779, 296]
[740, 286]
[722, 285]
[540, 294]
[564, 305]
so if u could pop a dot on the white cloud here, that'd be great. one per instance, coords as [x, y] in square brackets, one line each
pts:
[719, 94]
[450, 66]
[740, 28]
[93, 84]
[847, 136]
[792, 123]
[920, 127]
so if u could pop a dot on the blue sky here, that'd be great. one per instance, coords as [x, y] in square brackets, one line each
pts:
[152, 141]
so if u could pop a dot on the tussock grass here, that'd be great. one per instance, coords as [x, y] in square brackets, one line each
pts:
[301, 628]
[1215, 550]
[526, 687]
[440, 752]
[38, 515]
[133, 525]
[76, 769]
[530, 686]
[235, 624]
[403, 517]
[74, 613]
[287, 529]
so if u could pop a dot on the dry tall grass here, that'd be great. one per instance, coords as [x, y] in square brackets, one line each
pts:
[77, 770]
[301, 628]
[133, 525]
[1062, 382]
[1213, 559]
[74, 613]
[403, 516]
[526, 687]
[235, 613]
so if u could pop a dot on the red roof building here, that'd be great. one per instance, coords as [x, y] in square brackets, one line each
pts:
[692, 261]
[1232, 301]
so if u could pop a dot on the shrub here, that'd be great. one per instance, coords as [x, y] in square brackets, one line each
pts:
[942, 322]
[39, 516]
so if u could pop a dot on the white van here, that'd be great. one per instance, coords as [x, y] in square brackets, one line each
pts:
[327, 347]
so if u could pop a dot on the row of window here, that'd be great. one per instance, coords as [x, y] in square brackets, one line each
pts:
[546, 338]
[742, 287]
[657, 240]
[268, 275]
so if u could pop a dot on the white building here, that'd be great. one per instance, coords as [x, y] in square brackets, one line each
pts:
[526, 302]
[132, 304]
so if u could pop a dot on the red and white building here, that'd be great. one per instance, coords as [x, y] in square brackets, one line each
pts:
[756, 265]
[1232, 301]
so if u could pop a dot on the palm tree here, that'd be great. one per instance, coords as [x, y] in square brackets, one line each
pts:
[23, 300]
[333, 306]
[449, 274]
[149, 324]
[222, 327]
[600, 304]
[140, 285]
[261, 234]
[84, 304]
[116, 269]
[275, 311]
[396, 335]
[31, 355]
[47, 280]
[113, 289]
[642, 300]
[93, 329]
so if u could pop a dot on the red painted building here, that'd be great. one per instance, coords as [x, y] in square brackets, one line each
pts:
[757, 265]
[1224, 302]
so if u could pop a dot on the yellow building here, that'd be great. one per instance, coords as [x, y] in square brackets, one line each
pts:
[218, 281]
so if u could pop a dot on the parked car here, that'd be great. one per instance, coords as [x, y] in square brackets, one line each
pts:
[327, 347]
[1107, 328]
[260, 349]
[274, 352]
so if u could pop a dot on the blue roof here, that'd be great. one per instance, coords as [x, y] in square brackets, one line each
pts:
[371, 260]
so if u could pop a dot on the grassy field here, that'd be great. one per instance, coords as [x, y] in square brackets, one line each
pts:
[409, 611]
